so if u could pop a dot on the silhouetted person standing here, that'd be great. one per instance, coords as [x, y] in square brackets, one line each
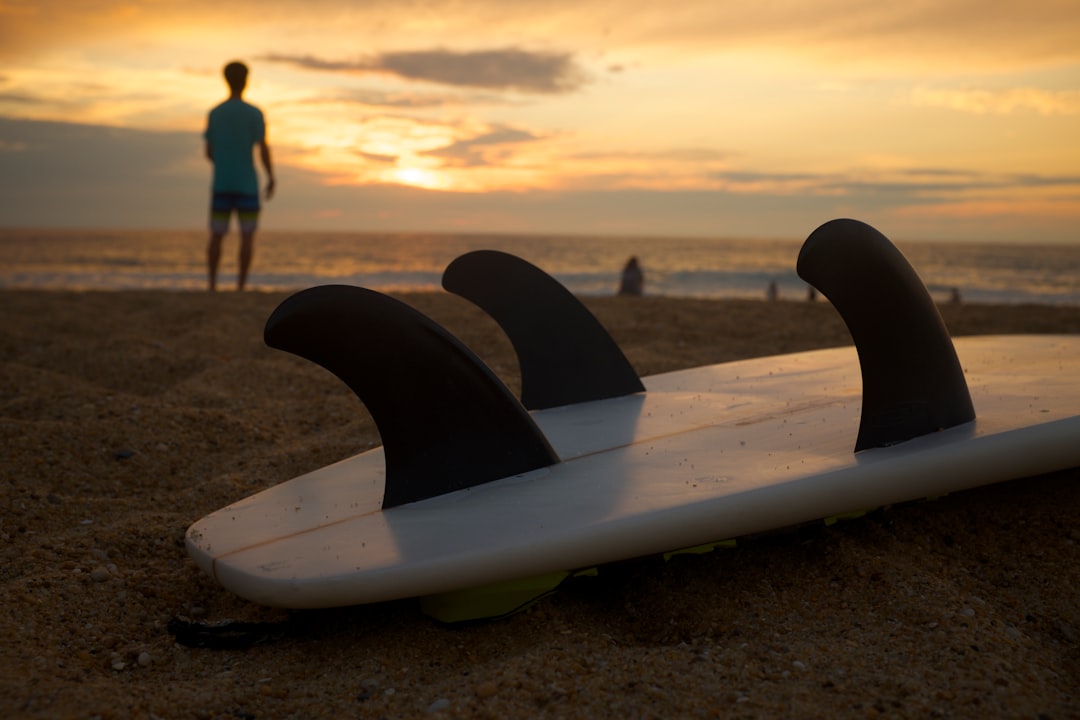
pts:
[233, 129]
[633, 279]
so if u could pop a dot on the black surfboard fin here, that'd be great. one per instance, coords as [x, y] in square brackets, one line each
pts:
[565, 354]
[913, 383]
[446, 421]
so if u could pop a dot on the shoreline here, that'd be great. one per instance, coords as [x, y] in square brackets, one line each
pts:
[127, 415]
[226, 286]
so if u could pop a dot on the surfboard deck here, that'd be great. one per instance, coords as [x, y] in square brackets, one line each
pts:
[703, 455]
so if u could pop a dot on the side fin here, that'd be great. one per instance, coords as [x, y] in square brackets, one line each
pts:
[446, 421]
[913, 383]
[566, 355]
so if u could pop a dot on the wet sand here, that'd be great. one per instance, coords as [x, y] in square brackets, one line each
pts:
[126, 416]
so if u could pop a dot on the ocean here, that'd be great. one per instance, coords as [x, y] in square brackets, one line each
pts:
[389, 262]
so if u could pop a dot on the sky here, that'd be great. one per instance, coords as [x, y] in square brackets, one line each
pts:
[931, 119]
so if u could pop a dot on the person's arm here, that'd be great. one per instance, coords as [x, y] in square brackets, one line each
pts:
[264, 155]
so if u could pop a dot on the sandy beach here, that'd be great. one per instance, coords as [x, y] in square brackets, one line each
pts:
[126, 416]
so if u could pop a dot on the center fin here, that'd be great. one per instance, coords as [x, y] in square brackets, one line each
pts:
[446, 421]
[565, 354]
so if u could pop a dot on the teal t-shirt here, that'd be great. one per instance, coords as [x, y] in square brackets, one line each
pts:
[233, 129]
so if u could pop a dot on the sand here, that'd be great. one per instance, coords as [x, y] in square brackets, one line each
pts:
[126, 416]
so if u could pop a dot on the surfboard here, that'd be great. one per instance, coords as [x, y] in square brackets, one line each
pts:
[474, 487]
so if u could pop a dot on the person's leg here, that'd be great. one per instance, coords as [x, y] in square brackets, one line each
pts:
[220, 211]
[213, 258]
[247, 249]
[248, 217]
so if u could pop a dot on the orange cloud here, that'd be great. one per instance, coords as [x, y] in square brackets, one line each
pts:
[1001, 102]
[506, 68]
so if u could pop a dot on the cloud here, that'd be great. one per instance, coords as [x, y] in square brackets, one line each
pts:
[1001, 102]
[683, 154]
[57, 152]
[916, 33]
[62, 173]
[919, 191]
[395, 100]
[748, 177]
[403, 100]
[472, 152]
[1038, 181]
[505, 69]
[925, 185]
[378, 158]
[20, 99]
[1002, 33]
[750, 182]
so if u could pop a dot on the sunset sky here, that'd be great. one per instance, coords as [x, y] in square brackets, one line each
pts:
[942, 119]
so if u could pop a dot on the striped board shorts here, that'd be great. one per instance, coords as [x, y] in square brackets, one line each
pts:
[222, 205]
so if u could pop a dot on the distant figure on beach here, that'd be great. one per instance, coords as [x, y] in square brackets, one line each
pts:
[233, 129]
[954, 296]
[811, 293]
[633, 279]
[773, 291]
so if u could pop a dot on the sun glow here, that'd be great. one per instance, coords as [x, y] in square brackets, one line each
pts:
[419, 177]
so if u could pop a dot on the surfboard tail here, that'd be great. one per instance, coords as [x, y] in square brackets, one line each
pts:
[447, 422]
[913, 383]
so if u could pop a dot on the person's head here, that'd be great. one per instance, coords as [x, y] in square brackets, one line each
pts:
[236, 75]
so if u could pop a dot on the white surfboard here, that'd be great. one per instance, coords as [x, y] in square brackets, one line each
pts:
[703, 455]
[692, 457]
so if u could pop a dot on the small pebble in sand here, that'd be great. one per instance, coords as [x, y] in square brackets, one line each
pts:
[486, 689]
[440, 704]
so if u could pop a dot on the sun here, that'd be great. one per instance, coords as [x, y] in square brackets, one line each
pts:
[419, 177]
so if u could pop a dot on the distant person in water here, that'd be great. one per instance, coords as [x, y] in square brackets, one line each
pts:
[772, 293]
[233, 129]
[633, 279]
